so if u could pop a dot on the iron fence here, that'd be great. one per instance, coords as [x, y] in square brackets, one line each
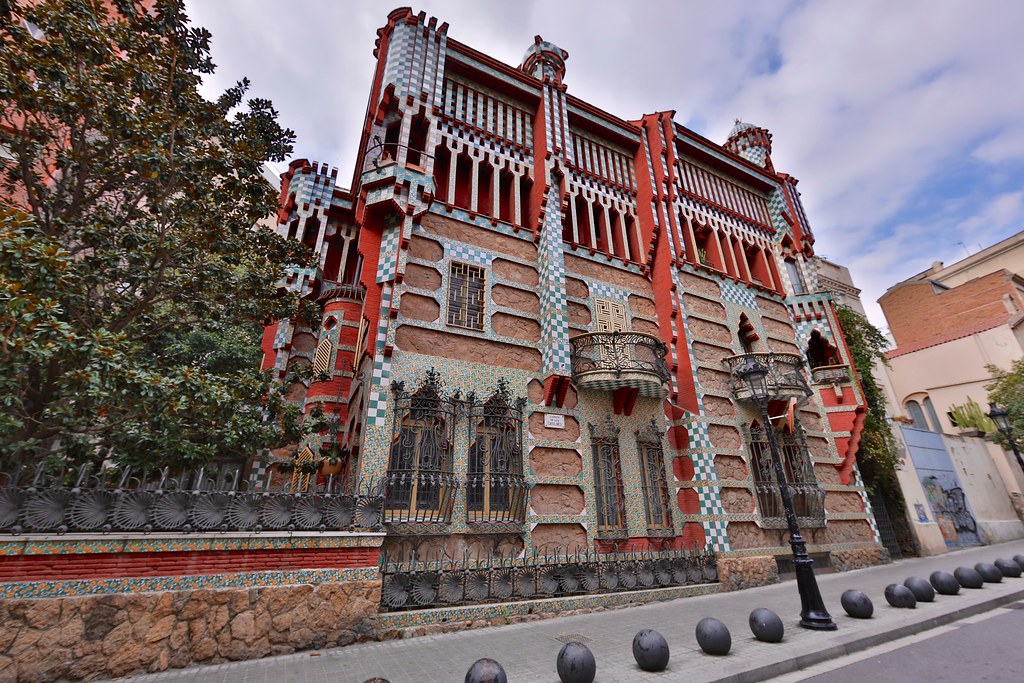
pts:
[496, 498]
[421, 585]
[61, 500]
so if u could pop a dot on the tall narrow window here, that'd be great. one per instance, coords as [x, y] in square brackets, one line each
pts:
[496, 489]
[466, 296]
[420, 485]
[796, 278]
[657, 504]
[808, 498]
[611, 508]
[917, 416]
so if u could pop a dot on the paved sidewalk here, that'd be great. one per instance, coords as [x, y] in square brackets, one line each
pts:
[528, 650]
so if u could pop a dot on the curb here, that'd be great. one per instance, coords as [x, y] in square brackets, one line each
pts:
[786, 666]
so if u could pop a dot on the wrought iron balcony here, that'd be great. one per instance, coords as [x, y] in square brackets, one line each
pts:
[496, 498]
[608, 361]
[786, 378]
[830, 374]
[419, 497]
[808, 503]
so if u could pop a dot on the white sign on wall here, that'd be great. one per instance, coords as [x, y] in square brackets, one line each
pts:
[554, 421]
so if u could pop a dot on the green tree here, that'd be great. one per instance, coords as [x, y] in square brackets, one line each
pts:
[132, 279]
[877, 456]
[1007, 391]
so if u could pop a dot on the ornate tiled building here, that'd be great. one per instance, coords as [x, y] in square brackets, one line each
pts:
[533, 315]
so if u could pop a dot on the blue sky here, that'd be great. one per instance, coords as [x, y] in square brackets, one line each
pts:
[904, 121]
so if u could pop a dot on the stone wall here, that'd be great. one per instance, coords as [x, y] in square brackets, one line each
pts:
[848, 560]
[74, 638]
[737, 573]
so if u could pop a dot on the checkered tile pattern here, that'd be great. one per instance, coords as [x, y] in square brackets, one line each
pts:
[458, 251]
[387, 266]
[553, 299]
[257, 474]
[605, 291]
[738, 294]
[311, 187]
[717, 536]
[379, 381]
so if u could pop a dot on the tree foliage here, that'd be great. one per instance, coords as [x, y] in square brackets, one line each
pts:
[133, 282]
[877, 456]
[1007, 391]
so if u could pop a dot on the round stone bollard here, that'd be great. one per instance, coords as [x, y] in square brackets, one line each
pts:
[486, 671]
[944, 583]
[1008, 567]
[650, 650]
[921, 589]
[900, 596]
[968, 578]
[713, 636]
[857, 604]
[1019, 559]
[766, 625]
[989, 572]
[575, 663]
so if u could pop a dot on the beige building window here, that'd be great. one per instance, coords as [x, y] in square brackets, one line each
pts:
[466, 296]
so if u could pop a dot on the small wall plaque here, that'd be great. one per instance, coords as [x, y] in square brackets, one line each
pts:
[554, 421]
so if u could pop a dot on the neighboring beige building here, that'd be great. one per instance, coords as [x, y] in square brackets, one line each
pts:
[949, 323]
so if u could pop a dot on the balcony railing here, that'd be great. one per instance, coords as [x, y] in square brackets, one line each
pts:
[786, 378]
[419, 497]
[607, 361]
[808, 503]
[830, 374]
[338, 290]
[496, 498]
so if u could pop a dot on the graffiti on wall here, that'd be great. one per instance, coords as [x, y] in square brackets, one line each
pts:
[949, 505]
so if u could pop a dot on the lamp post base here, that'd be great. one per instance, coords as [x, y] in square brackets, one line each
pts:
[813, 614]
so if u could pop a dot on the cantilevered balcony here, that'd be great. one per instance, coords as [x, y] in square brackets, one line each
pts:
[785, 379]
[830, 374]
[609, 361]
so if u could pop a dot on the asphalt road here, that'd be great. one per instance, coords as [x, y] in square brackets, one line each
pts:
[985, 648]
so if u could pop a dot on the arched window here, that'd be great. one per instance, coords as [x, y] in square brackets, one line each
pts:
[420, 483]
[611, 508]
[808, 498]
[917, 415]
[496, 489]
[657, 503]
[933, 417]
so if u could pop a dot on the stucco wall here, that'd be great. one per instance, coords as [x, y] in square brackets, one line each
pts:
[997, 519]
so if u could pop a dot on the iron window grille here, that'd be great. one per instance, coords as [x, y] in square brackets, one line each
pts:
[808, 498]
[496, 490]
[466, 286]
[611, 509]
[421, 485]
[657, 504]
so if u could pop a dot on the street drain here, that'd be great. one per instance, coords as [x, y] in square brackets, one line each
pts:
[572, 638]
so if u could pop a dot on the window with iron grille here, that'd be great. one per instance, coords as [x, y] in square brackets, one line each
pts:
[496, 489]
[466, 287]
[420, 482]
[808, 498]
[611, 509]
[657, 505]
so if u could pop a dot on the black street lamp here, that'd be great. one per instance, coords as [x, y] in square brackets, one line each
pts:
[1002, 420]
[813, 614]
